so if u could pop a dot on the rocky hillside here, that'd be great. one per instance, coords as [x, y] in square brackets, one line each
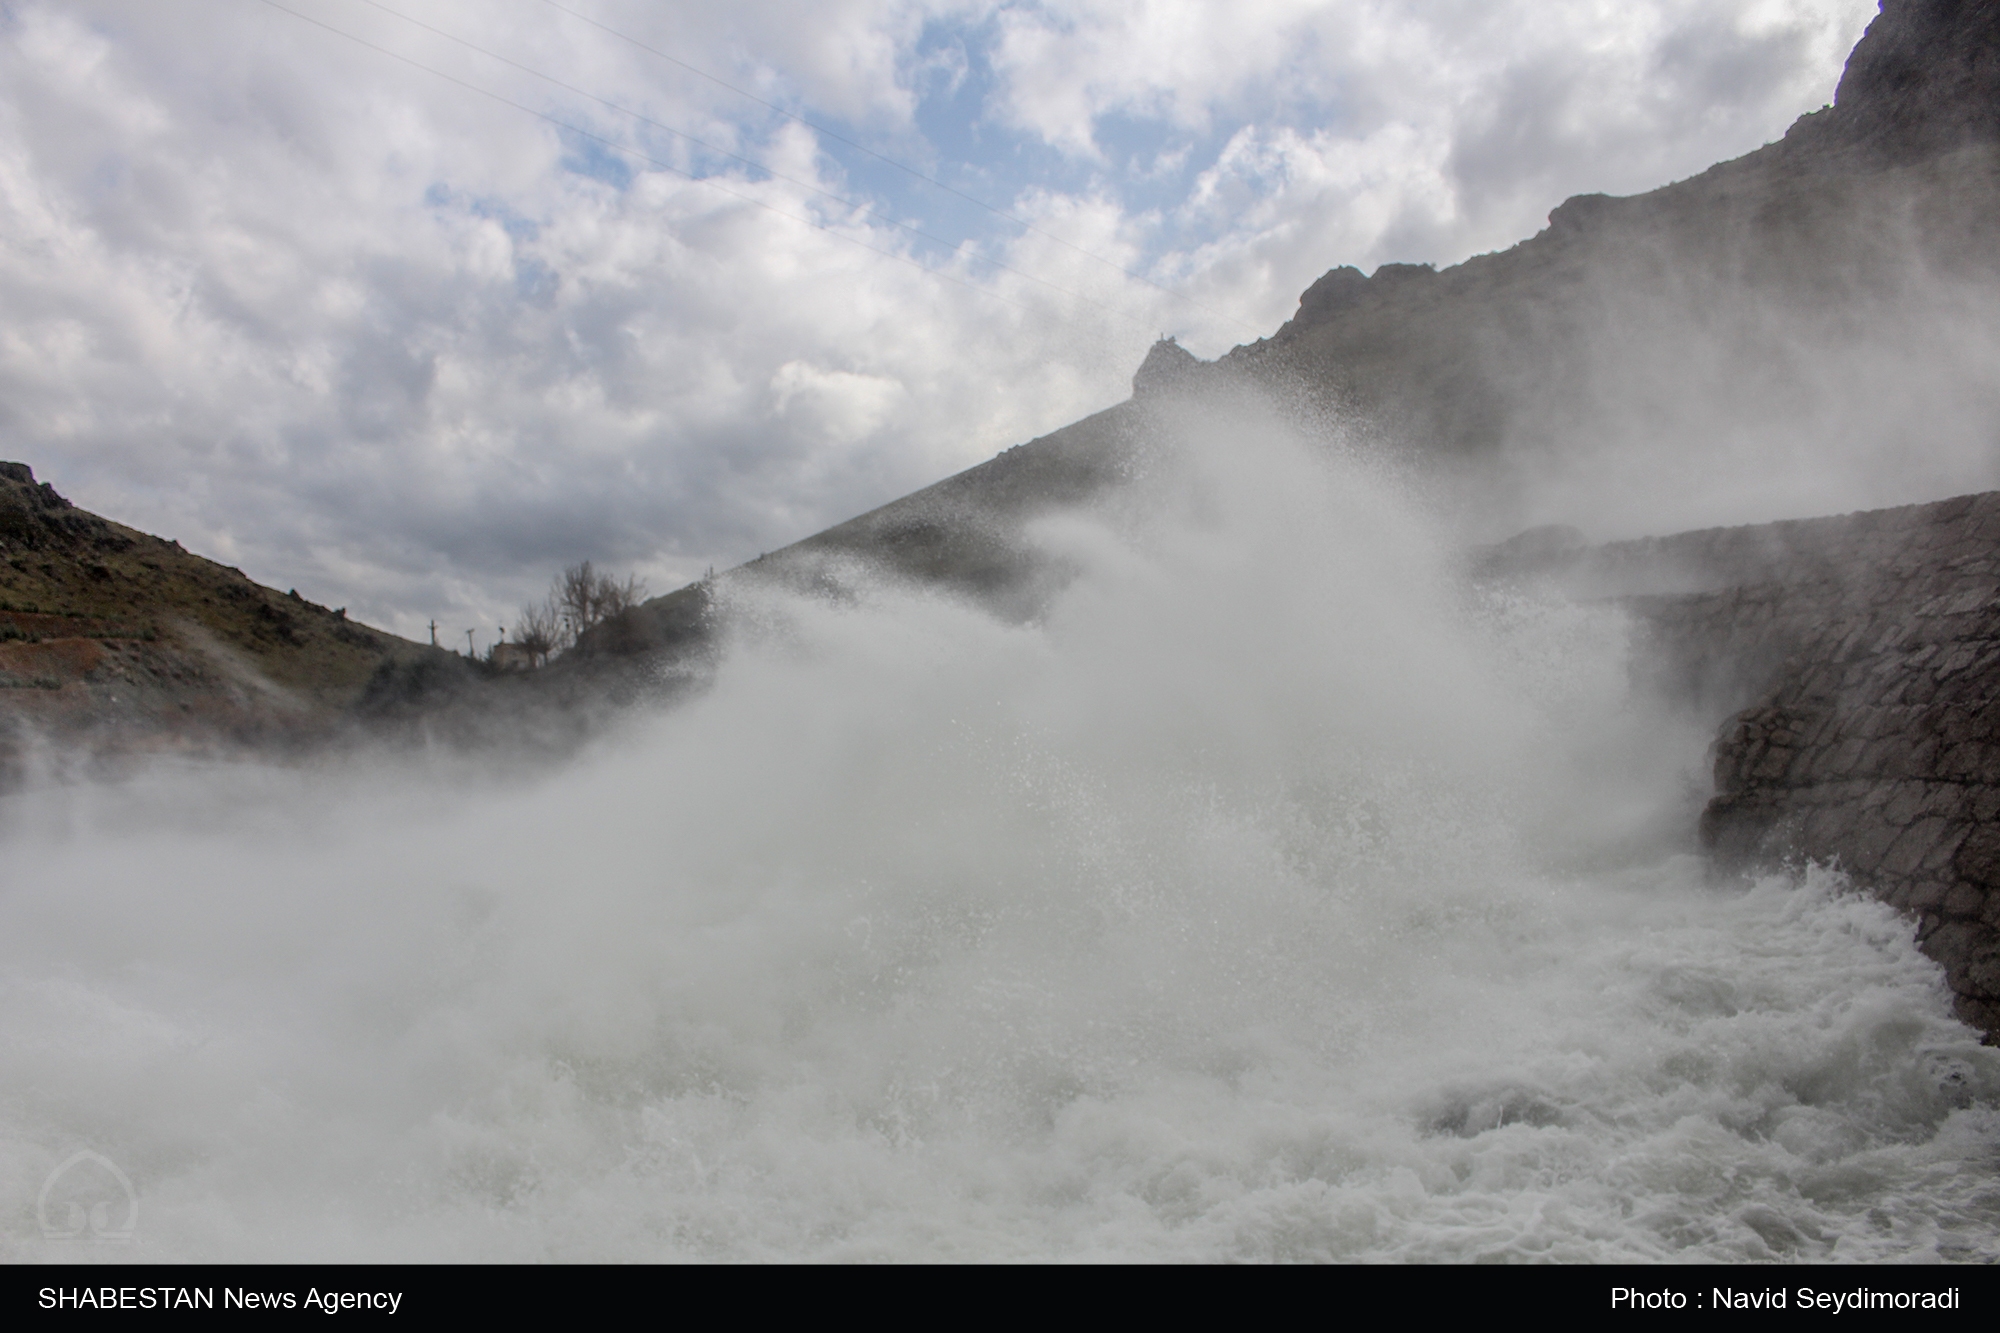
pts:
[114, 642]
[1824, 290]
[1824, 294]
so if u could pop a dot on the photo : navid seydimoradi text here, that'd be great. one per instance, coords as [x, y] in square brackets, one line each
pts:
[1781, 1298]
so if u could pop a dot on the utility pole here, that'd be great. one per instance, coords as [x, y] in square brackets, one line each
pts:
[468, 643]
[434, 634]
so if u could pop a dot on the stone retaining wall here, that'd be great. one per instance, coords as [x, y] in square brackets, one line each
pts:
[1857, 660]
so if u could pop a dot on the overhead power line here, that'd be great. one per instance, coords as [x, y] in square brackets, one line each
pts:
[708, 181]
[900, 166]
[855, 205]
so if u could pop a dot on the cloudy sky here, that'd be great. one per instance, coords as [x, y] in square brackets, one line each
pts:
[409, 304]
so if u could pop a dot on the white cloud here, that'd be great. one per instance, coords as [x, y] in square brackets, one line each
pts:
[369, 333]
[845, 407]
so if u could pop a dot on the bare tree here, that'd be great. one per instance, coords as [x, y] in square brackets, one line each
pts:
[537, 629]
[579, 598]
[614, 597]
[575, 596]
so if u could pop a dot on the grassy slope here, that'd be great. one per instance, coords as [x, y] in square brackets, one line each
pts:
[103, 627]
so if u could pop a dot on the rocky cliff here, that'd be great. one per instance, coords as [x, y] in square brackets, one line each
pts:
[1924, 80]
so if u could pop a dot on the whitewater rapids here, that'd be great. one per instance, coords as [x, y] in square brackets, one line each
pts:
[1274, 896]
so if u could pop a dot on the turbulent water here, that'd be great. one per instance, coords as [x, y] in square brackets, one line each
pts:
[1273, 897]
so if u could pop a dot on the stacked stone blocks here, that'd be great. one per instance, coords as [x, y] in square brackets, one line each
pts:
[1857, 662]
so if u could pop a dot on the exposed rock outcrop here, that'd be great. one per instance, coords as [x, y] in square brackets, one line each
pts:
[1925, 79]
[1167, 366]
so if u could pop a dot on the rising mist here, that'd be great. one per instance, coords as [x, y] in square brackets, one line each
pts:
[1273, 895]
